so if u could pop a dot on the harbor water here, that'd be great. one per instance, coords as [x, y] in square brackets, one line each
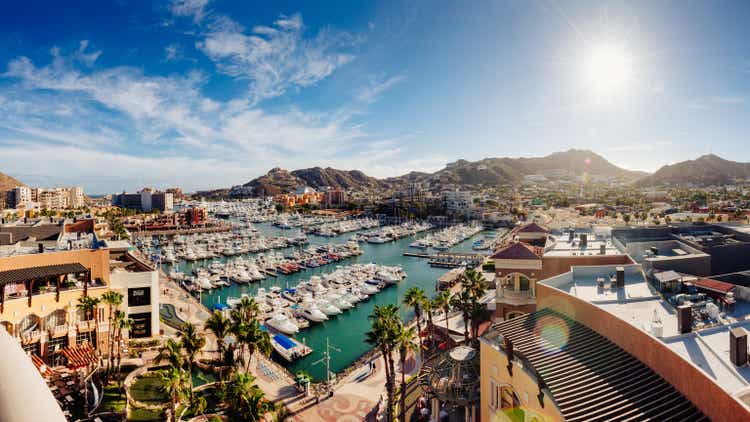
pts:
[345, 332]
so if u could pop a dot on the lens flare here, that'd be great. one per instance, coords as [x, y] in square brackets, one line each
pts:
[554, 333]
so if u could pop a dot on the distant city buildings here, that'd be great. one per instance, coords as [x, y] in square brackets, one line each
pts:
[145, 200]
[24, 197]
[459, 202]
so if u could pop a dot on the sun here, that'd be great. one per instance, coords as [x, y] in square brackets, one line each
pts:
[608, 69]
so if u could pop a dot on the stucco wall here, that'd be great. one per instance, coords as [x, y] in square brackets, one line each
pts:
[556, 265]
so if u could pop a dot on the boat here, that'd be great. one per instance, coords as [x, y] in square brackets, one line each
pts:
[288, 348]
[313, 313]
[282, 323]
[328, 308]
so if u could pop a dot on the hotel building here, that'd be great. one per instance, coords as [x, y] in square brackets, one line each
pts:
[40, 288]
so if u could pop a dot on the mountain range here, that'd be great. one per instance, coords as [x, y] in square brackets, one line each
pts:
[706, 170]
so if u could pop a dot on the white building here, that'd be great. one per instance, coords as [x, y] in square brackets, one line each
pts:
[22, 195]
[138, 282]
[76, 198]
[459, 202]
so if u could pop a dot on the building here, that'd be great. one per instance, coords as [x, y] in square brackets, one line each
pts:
[458, 202]
[145, 200]
[21, 196]
[335, 198]
[40, 289]
[604, 344]
[76, 197]
[534, 253]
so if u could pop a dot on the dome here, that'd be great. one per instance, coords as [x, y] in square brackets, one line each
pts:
[453, 377]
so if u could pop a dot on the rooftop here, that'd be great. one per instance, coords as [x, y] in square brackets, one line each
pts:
[639, 304]
[589, 377]
[560, 244]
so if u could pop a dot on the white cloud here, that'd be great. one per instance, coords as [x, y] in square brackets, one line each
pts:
[377, 87]
[194, 8]
[274, 58]
[172, 52]
[729, 100]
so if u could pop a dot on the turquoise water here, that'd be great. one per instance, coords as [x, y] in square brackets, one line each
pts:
[347, 331]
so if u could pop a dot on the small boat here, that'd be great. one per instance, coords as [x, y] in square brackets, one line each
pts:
[313, 313]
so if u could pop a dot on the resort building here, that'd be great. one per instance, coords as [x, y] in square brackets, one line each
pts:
[605, 344]
[41, 288]
[458, 202]
[145, 200]
[534, 254]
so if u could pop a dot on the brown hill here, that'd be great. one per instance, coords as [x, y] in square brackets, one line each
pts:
[706, 170]
[8, 183]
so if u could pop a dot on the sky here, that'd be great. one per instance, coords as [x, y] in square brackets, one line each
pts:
[207, 94]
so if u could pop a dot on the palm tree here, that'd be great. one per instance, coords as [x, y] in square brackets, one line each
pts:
[415, 298]
[192, 342]
[174, 384]
[113, 300]
[171, 352]
[428, 306]
[443, 301]
[475, 282]
[122, 323]
[463, 302]
[255, 339]
[244, 399]
[221, 327]
[87, 305]
[382, 334]
[405, 344]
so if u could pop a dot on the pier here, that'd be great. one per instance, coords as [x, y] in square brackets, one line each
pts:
[450, 259]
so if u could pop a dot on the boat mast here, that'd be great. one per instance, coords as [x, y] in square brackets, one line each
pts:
[327, 359]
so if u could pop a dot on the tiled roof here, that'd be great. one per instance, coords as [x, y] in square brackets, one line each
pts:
[517, 250]
[716, 285]
[532, 228]
[589, 377]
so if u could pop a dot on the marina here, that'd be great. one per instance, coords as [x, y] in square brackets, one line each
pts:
[345, 330]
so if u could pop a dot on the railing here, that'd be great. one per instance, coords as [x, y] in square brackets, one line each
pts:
[58, 331]
[31, 337]
[516, 294]
[85, 326]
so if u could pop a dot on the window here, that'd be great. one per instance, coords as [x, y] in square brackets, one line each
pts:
[140, 296]
[141, 325]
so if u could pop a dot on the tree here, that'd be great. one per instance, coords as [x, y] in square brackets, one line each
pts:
[113, 300]
[463, 302]
[428, 306]
[221, 327]
[626, 218]
[443, 301]
[415, 298]
[87, 305]
[382, 334]
[192, 342]
[243, 399]
[175, 384]
[404, 338]
[122, 323]
[171, 352]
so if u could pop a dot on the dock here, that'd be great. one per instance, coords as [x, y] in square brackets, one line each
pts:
[451, 259]
[288, 347]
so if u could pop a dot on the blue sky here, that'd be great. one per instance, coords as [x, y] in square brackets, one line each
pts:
[211, 93]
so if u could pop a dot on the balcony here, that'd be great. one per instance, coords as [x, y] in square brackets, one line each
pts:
[86, 326]
[58, 331]
[510, 295]
[31, 337]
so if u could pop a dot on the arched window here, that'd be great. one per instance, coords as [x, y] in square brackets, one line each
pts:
[523, 282]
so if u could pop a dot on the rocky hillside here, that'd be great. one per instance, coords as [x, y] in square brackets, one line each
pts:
[8, 183]
[493, 171]
[706, 170]
[279, 181]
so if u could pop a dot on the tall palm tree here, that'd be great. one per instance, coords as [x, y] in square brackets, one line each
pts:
[475, 282]
[415, 298]
[220, 326]
[443, 301]
[384, 322]
[113, 300]
[404, 337]
[254, 339]
[171, 352]
[123, 324]
[244, 399]
[87, 305]
[463, 302]
[174, 383]
[192, 342]
[428, 306]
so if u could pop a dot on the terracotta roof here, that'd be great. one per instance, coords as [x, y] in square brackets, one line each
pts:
[80, 356]
[589, 377]
[518, 250]
[716, 285]
[532, 228]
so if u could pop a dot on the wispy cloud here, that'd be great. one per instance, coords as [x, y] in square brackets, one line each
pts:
[377, 87]
[275, 58]
[172, 52]
[193, 8]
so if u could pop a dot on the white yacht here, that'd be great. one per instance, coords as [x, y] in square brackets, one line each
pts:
[283, 324]
[328, 308]
[313, 313]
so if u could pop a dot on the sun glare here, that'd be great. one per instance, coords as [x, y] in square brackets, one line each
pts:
[608, 69]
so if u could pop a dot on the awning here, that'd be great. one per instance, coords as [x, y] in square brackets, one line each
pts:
[23, 274]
